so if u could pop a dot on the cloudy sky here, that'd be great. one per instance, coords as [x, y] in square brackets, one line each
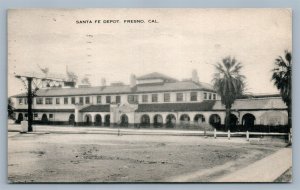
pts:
[181, 40]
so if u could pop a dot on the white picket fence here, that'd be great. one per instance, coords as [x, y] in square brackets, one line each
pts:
[247, 134]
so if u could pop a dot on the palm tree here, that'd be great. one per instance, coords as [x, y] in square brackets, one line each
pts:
[283, 80]
[229, 84]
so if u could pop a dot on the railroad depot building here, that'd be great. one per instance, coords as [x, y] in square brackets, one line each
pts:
[152, 100]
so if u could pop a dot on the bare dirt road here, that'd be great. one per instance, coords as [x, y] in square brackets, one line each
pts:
[91, 158]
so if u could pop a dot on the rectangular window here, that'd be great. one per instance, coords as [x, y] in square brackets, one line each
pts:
[50, 115]
[98, 99]
[80, 100]
[179, 97]
[20, 101]
[66, 100]
[25, 101]
[118, 99]
[193, 96]
[205, 96]
[214, 96]
[210, 96]
[145, 98]
[108, 99]
[49, 101]
[154, 98]
[132, 99]
[167, 97]
[26, 115]
[39, 100]
[57, 100]
[87, 100]
[35, 115]
[73, 100]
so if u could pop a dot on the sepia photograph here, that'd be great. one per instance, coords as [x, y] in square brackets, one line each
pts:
[149, 95]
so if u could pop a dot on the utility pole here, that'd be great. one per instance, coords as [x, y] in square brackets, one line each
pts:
[29, 103]
[33, 82]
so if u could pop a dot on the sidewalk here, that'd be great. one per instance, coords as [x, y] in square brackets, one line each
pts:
[116, 131]
[266, 170]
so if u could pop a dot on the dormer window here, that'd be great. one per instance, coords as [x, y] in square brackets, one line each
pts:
[118, 99]
[57, 100]
[179, 97]
[132, 99]
[48, 101]
[98, 99]
[154, 98]
[193, 96]
[66, 100]
[144, 98]
[167, 97]
[108, 99]
[73, 100]
[39, 100]
[205, 96]
[87, 100]
[81, 100]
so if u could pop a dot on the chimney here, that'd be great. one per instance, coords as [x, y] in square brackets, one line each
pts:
[103, 82]
[195, 77]
[132, 81]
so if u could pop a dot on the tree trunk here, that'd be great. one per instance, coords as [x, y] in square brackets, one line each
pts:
[227, 118]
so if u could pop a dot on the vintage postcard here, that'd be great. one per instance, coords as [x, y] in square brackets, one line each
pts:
[149, 95]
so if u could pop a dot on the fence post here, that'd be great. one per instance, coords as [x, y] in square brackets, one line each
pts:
[215, 133]
[247, 135]
[228, 135]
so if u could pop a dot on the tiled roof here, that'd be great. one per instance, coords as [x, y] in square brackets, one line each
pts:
[176, 86]
[173, 107]
[81, 91]
[254, 104]
[96, 108]
[155, 75]
[45, 110]
[122, 89]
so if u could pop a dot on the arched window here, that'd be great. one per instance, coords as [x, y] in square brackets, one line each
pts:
[157, 120]
[107, 120]
[248, 120]
[124, 120]
[145, 120]
[199, 118]
[215, 120]
[72, 119]
[98, 120]
[20, 118]
[170, 121]
[185, 120]
[44, 118]
[88, 119]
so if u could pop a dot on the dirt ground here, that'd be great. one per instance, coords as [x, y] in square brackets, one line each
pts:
[92, 158]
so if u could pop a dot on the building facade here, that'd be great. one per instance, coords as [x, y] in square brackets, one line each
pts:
[150, 100]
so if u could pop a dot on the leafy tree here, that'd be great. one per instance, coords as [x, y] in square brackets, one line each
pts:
[10, 108]
[85, 80]
[283, 80]
[72, 76]
[229, 84]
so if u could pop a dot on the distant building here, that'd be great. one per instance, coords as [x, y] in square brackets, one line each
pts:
[150, 100]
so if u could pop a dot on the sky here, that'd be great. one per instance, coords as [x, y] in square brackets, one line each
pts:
[179, 41]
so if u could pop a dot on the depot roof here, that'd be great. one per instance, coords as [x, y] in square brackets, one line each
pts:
[122, 89]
